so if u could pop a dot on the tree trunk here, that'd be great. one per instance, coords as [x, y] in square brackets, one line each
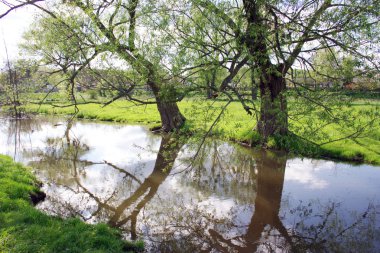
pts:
[273, 112]
[209, 92]
[208, 89]
[253, 85]
[210, 82]
[171, 117]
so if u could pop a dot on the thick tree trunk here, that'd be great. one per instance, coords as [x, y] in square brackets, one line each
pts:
[171, 117]
[273, 112]
[253, 85]
[254, 93]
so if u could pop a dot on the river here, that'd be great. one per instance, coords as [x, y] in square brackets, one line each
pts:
[227, 198]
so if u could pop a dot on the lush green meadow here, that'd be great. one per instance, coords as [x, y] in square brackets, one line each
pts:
[236, 125]
[25, 229]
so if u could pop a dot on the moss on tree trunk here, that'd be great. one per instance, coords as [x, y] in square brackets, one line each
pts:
[273, 111]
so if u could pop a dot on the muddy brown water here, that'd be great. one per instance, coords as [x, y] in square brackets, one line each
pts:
[227, 199]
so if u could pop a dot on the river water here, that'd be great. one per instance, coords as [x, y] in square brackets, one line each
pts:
[225, 199]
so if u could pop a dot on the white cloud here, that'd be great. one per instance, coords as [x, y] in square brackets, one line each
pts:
[303, 172]
[12, 27]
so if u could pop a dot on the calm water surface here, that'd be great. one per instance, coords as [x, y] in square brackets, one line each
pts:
[227, 199]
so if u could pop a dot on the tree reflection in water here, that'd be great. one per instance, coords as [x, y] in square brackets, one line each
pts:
[166, 156]
[65, 154]
[318, 227]
[16, 129]
[231, 200]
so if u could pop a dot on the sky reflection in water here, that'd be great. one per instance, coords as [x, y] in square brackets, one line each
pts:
[228, 199]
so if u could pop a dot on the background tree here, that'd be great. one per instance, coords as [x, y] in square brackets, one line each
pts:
[332, 69]
[63, 45]
[18, 79]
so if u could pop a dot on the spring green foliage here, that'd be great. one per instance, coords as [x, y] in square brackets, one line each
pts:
[17, 79]
[25, 229]
[332, 68]
[236, 125]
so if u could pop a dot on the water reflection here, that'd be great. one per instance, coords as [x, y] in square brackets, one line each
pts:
[166, 156]
[17, 130]
[230, 199]
[238, 228]
[270, 182]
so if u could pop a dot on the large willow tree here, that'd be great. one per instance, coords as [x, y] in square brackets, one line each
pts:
[168, 41]
[74, 34]
[279, 38]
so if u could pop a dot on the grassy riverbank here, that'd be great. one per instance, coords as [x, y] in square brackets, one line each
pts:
[25, 229]
[236, 125]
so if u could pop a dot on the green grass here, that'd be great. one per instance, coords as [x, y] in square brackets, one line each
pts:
[25, 229]
[236, 125]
